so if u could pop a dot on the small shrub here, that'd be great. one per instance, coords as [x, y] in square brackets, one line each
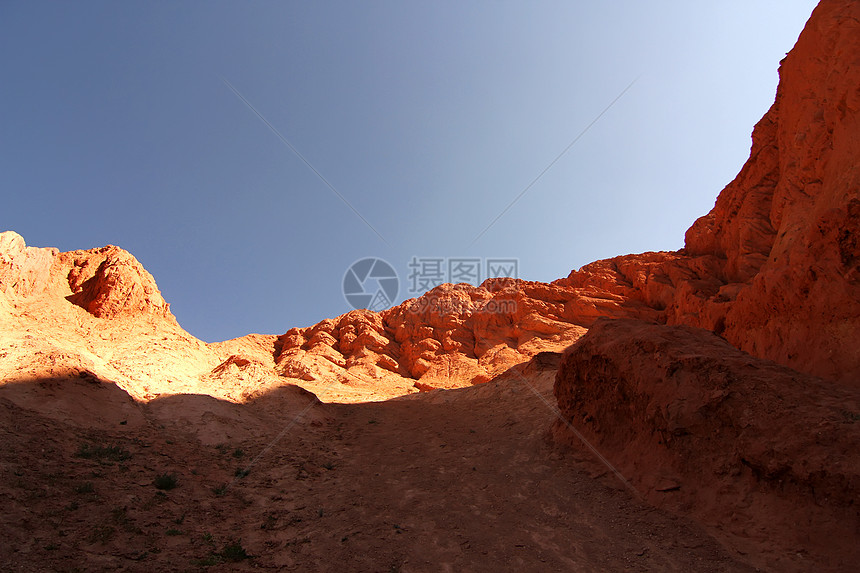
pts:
[166, 481]
[234, 552]
[240, 473]
[208, 561]
[102, 453]
[238, 453]
[220, 490]
[173, 532]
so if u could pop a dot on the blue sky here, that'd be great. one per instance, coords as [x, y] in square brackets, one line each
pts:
[428, 118]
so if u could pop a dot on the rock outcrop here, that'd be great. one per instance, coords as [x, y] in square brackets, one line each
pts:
[107, 282]
[787, 228]
[110, 283]
[745, 442]
[23, 270]
[98, 313]
[774, 268]
[452, 336]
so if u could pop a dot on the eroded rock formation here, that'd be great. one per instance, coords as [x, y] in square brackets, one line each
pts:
[749, 446]
[775, 266]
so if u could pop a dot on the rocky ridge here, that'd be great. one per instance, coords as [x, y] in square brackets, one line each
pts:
[754, 449]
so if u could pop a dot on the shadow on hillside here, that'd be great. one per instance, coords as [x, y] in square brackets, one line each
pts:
[83, 400]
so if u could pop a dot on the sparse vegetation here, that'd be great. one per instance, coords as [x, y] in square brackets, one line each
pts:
[238, 453]
[102, 534]
[208, 561]
[166, 481]
[851, 416]
[173, 532]
[234, 552]
[220, 490]
[240, 473]
[103, 453]
[86, 487]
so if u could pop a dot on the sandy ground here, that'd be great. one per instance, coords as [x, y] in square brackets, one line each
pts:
[461, 480]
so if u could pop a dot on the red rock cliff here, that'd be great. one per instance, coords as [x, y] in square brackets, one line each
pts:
[774, 268]
[787, 228]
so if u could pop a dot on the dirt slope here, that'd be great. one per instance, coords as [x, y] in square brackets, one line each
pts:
[459, 481]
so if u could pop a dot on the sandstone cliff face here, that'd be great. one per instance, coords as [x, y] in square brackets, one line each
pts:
[107, 282]
[774, 268]
[110, 282]
[664, 400]
[23, 270]
[787, 228]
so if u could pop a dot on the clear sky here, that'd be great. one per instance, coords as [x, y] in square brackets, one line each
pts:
[118, 126]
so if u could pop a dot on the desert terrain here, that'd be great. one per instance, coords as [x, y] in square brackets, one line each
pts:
[696, 410]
